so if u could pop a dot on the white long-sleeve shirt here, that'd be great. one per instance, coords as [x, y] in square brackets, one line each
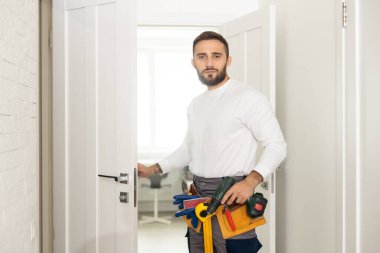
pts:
[225, 126]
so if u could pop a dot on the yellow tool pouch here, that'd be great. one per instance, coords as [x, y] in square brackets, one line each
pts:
[188, 222]
[241, 220]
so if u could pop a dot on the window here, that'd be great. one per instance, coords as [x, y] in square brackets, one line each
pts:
[167, 82]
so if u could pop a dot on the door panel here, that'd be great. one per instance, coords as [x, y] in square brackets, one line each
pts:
[251, 40]
[107, 114]
[78, 167]
[254, 60]
[98, 76]
[237, 68]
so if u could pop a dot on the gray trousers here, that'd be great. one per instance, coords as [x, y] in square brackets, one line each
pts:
[207, 187]
[196, 240]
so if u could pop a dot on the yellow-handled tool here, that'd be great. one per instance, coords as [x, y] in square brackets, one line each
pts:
[205, 218]
[205, 211]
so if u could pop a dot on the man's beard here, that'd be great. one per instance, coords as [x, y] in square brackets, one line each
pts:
[214, 81]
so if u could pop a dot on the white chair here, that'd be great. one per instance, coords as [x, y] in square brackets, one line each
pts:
[155, 184]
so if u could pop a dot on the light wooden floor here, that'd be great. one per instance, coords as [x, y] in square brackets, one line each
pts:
[162, 238]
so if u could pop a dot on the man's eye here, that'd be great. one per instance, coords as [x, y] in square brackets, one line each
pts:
[201, 57]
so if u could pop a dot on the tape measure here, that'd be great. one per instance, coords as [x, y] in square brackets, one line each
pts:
[201, 212]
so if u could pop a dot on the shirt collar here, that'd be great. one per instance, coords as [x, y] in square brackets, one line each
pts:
[220, 89]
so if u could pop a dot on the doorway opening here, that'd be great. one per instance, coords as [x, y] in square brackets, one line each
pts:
[166, 84]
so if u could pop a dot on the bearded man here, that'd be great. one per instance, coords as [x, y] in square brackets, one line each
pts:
[225, 125]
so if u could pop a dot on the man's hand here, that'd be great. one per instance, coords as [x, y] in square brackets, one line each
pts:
[241, 191]
[144, 171]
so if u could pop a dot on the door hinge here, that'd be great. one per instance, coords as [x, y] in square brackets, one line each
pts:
[344, 14]
[51, 38]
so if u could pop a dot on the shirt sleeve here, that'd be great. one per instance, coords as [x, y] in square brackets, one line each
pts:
[176, 160]
[259, 117]
[180, 158]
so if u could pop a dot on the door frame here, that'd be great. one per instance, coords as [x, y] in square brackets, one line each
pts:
[59, 135]
[47, 123]
[45, 129]
[349, 127]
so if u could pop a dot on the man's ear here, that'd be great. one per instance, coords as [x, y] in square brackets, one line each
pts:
[229, 61]
[192, 62]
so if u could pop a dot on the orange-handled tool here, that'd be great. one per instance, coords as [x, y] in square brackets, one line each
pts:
[229, 218]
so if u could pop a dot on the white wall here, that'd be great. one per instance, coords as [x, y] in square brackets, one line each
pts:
[317, 191]
[307, 108]
[370, 77]
[196, 12]
[19, 177]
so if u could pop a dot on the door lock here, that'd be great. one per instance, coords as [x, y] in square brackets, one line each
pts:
[123, 197]
[123, 179]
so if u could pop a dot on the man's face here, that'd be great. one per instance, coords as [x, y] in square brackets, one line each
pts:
[210, 61]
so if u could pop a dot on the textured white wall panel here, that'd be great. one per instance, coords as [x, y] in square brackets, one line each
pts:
[19, 201]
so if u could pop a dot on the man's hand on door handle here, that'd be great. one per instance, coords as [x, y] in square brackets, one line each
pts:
[144, 171]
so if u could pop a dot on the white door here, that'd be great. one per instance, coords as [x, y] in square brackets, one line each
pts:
[251, 39]
[94, 126]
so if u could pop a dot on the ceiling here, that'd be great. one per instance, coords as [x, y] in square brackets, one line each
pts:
[192, 13]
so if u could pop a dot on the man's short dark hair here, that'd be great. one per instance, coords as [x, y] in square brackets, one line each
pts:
[209, 35]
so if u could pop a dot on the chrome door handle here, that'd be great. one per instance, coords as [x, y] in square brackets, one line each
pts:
[123, 178]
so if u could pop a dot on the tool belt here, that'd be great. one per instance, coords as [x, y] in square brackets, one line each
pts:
[242, 221]
[238, 213]
[193, 191]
